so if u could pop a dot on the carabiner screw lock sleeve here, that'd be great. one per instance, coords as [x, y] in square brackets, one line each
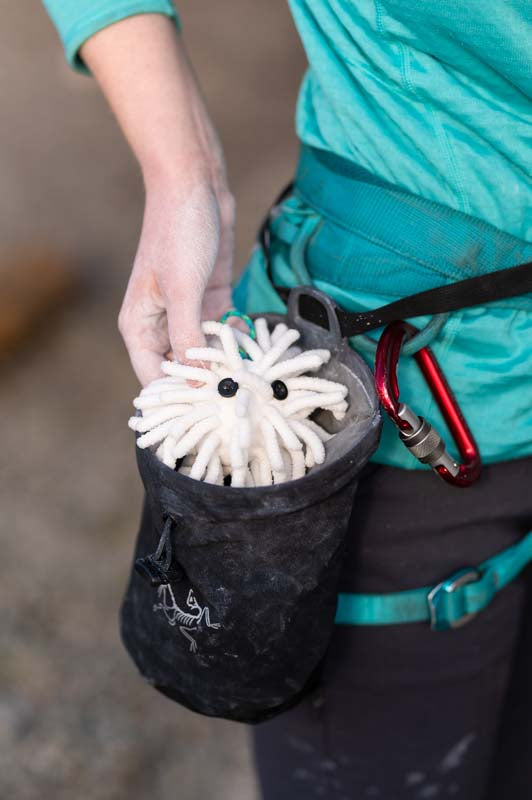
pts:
[424, 441]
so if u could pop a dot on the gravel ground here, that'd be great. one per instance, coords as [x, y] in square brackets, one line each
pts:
[76, 721]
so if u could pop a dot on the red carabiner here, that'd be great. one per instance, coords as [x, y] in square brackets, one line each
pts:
[417, 434]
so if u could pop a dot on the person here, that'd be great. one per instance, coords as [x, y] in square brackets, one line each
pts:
[414, 120]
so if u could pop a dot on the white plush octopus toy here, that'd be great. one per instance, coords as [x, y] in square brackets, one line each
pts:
[246, 413]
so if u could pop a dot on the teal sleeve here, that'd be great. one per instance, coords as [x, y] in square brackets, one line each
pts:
[77, 20]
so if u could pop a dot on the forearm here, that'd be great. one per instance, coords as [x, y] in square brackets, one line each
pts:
[142, 68]
[182, 267]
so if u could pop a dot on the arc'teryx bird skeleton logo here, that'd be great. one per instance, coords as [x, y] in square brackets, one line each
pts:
[187, 621]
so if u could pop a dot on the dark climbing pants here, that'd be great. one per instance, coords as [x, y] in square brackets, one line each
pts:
[402, 712]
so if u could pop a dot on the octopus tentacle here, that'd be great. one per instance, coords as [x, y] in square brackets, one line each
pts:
[287, 436]
[325, 401]
[255, 471]
[313, 442]
[305, 362]
[194, 436]
[274, 354]
[159, 384]
[263, 334]
[148, 421]
[187, 372]
[205, 453]
[214, 472]
[315, 384]
[252, 348]
[155, 435]
[298, 464]
[238, 477]
[237, 454]
[320, 432]
[185, 394]
[168, 452]
[277, 332]
[244, 432]
[173, 427]
[279, 476]
[250, 481]
[271, 445]
[230, 346]
[260, 459]
[338, 410]
[206, 354]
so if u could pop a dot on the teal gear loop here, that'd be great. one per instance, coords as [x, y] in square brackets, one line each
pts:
[362, 342]
[233, 312]
[451, 603]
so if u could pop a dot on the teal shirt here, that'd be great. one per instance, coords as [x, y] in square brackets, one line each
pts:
[77, 20]
[432, 97]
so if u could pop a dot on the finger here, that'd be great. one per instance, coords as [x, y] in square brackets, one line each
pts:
[145, 343]
[217, 298]
[184, 328]
[183, 282]
[146, 363]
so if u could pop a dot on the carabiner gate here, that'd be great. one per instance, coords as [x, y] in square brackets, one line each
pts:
[421, 438]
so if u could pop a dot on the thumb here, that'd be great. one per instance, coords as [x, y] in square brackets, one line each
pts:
[184, 327]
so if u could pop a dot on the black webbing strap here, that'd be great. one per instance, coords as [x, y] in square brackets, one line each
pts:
[503, 283]
[482, 289]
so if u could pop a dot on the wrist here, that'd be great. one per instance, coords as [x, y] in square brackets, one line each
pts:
[162, 173]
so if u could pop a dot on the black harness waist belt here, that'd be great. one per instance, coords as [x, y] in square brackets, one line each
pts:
[479, 290]
[482, 289]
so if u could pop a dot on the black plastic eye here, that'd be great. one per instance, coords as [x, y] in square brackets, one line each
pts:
[228, 387]
[280, 390]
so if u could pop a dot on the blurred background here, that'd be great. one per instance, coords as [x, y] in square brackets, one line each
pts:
[76, 721]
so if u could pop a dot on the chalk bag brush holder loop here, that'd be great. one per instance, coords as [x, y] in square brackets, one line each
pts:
[231, 602]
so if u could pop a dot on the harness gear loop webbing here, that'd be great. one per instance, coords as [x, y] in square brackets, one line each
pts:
[487, 288]
[450, 604]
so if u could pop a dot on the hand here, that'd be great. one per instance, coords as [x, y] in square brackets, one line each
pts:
[182, 270]
[181, 273]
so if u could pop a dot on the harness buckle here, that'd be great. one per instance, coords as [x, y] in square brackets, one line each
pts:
[447, 603]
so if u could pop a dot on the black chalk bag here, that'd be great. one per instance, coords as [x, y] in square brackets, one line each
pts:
[231, 602]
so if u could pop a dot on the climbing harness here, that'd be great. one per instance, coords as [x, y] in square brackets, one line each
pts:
[452, 603]
[458, 598]
[400, 337]
[482, 289]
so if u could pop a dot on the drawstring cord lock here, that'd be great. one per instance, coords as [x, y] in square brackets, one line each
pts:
[160, 568]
